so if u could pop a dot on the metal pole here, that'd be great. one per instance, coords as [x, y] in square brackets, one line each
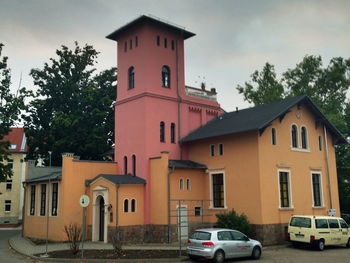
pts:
[179, 224]
[48, 210]
[83, 236]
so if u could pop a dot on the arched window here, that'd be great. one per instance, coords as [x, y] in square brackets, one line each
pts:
[165, 77]
[320, 143]
[162, 131]
[273, 136]
[131, 75]
[303, 137]
[125, 165]
[294, 136]
[188, 184]
[134, 164]
[181, 184]
[126, 205]
[133, 205]
[172, 133]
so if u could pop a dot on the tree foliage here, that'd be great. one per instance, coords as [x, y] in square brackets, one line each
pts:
[232, 220]
[11, 106]
[72, 109]
[326, 86]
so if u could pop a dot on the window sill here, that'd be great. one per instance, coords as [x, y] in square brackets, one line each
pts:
[318, 207]
[7, 212]
[217, 208]
[286, 208]
[300, 150]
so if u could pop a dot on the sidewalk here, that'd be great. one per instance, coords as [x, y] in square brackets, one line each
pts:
[28, 248]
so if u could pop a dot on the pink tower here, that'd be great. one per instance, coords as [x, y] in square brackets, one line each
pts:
[154, 109]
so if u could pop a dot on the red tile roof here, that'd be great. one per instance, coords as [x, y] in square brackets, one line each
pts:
[17, 139]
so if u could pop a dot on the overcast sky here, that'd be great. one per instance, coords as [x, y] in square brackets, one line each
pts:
[233, 38]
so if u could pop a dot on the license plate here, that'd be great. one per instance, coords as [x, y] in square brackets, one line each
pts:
[299, 235]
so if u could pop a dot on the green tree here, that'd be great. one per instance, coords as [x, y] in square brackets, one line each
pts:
[232, 220]
[326, 86]
[11, 106]
[263, 88]
[72, 109]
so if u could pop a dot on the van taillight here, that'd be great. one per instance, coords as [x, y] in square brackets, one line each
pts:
[207, 244]
[312, 238]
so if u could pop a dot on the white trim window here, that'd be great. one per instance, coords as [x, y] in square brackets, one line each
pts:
[181, 183]
[188, 184]
[316, 181]
[54, 199]
[284, 186]
[32, 200]
[294, 136]
[8, 204]
[133, 205]
[9, 184]
[217, 190]
[42, 199]
[126, 205]
[304, 138]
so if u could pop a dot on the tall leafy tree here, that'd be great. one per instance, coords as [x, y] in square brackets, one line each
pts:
[326, 86]
[11, 106]
[72, 109]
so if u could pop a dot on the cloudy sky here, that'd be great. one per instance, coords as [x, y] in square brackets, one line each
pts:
[233, 38]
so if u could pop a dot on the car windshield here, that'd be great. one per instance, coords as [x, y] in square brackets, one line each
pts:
[301, 222]
[200, 235]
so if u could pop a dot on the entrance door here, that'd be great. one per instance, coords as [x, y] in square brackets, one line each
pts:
[182, 221]
[102, 219]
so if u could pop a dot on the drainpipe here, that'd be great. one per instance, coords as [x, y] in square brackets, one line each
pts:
[178, 94]
[327, 165]
[169, 204]
[117, 206]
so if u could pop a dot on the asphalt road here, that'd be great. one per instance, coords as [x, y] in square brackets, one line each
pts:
[6, 254]
[290, 254]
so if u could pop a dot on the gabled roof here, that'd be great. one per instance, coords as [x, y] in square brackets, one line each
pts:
[52, 177]
[186, 164]
[118, 179]
[257, 119]
[17, 139]
[150, 20]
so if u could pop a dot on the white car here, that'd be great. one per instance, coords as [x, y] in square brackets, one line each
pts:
[219, 244]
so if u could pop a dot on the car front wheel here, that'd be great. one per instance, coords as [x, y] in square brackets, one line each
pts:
[256, 253]
[219, 256]
[348, 244]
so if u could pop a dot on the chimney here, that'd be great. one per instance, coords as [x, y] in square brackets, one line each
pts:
[203, 86]
[236, 109]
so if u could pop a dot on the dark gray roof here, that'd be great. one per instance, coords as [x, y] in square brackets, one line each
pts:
[150, 20]
[52, 177]
[186, 164]
[118, 179]
[258, 118]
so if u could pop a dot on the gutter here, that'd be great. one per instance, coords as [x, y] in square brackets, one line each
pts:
[169, 203]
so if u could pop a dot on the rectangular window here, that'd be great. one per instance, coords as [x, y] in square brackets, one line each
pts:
[165, 43]
[218, 190]
[158, 40]
[54, 199]
[32, 200]
[8, 184]
[7, 205]
[320, 143]
[10, 163]
[125, 46]
[316, 189]
[130, 46]
[172, 44]
[43, 200]
[284, 189]
[197, 211]
[212, 150]
[221, 149]
[136, 41]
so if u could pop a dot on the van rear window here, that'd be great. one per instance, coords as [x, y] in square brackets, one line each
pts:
[301, 222]
[199, 235]
[321, 223]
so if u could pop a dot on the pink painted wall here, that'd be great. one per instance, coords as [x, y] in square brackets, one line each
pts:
[139, 111]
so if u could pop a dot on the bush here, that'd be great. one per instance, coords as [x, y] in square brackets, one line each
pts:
[73, 232]
[232, 220]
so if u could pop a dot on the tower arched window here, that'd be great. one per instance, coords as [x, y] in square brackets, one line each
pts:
[165, 77]
[133, 205]
[294, 136]
[131, 78]
[304, 137]
[181, 184]
[273, 136]
[172, 132]
[134, 164]
[126, 205]
[162, 131]
[125, 165]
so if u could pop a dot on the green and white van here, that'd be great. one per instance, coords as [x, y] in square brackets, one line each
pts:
[319, 231]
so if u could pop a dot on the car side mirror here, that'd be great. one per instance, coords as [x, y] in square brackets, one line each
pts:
[246, 238]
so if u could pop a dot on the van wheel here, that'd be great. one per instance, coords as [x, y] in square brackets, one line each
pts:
[320, 245]
[219, 256]
[348, 244]
[256, 253]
